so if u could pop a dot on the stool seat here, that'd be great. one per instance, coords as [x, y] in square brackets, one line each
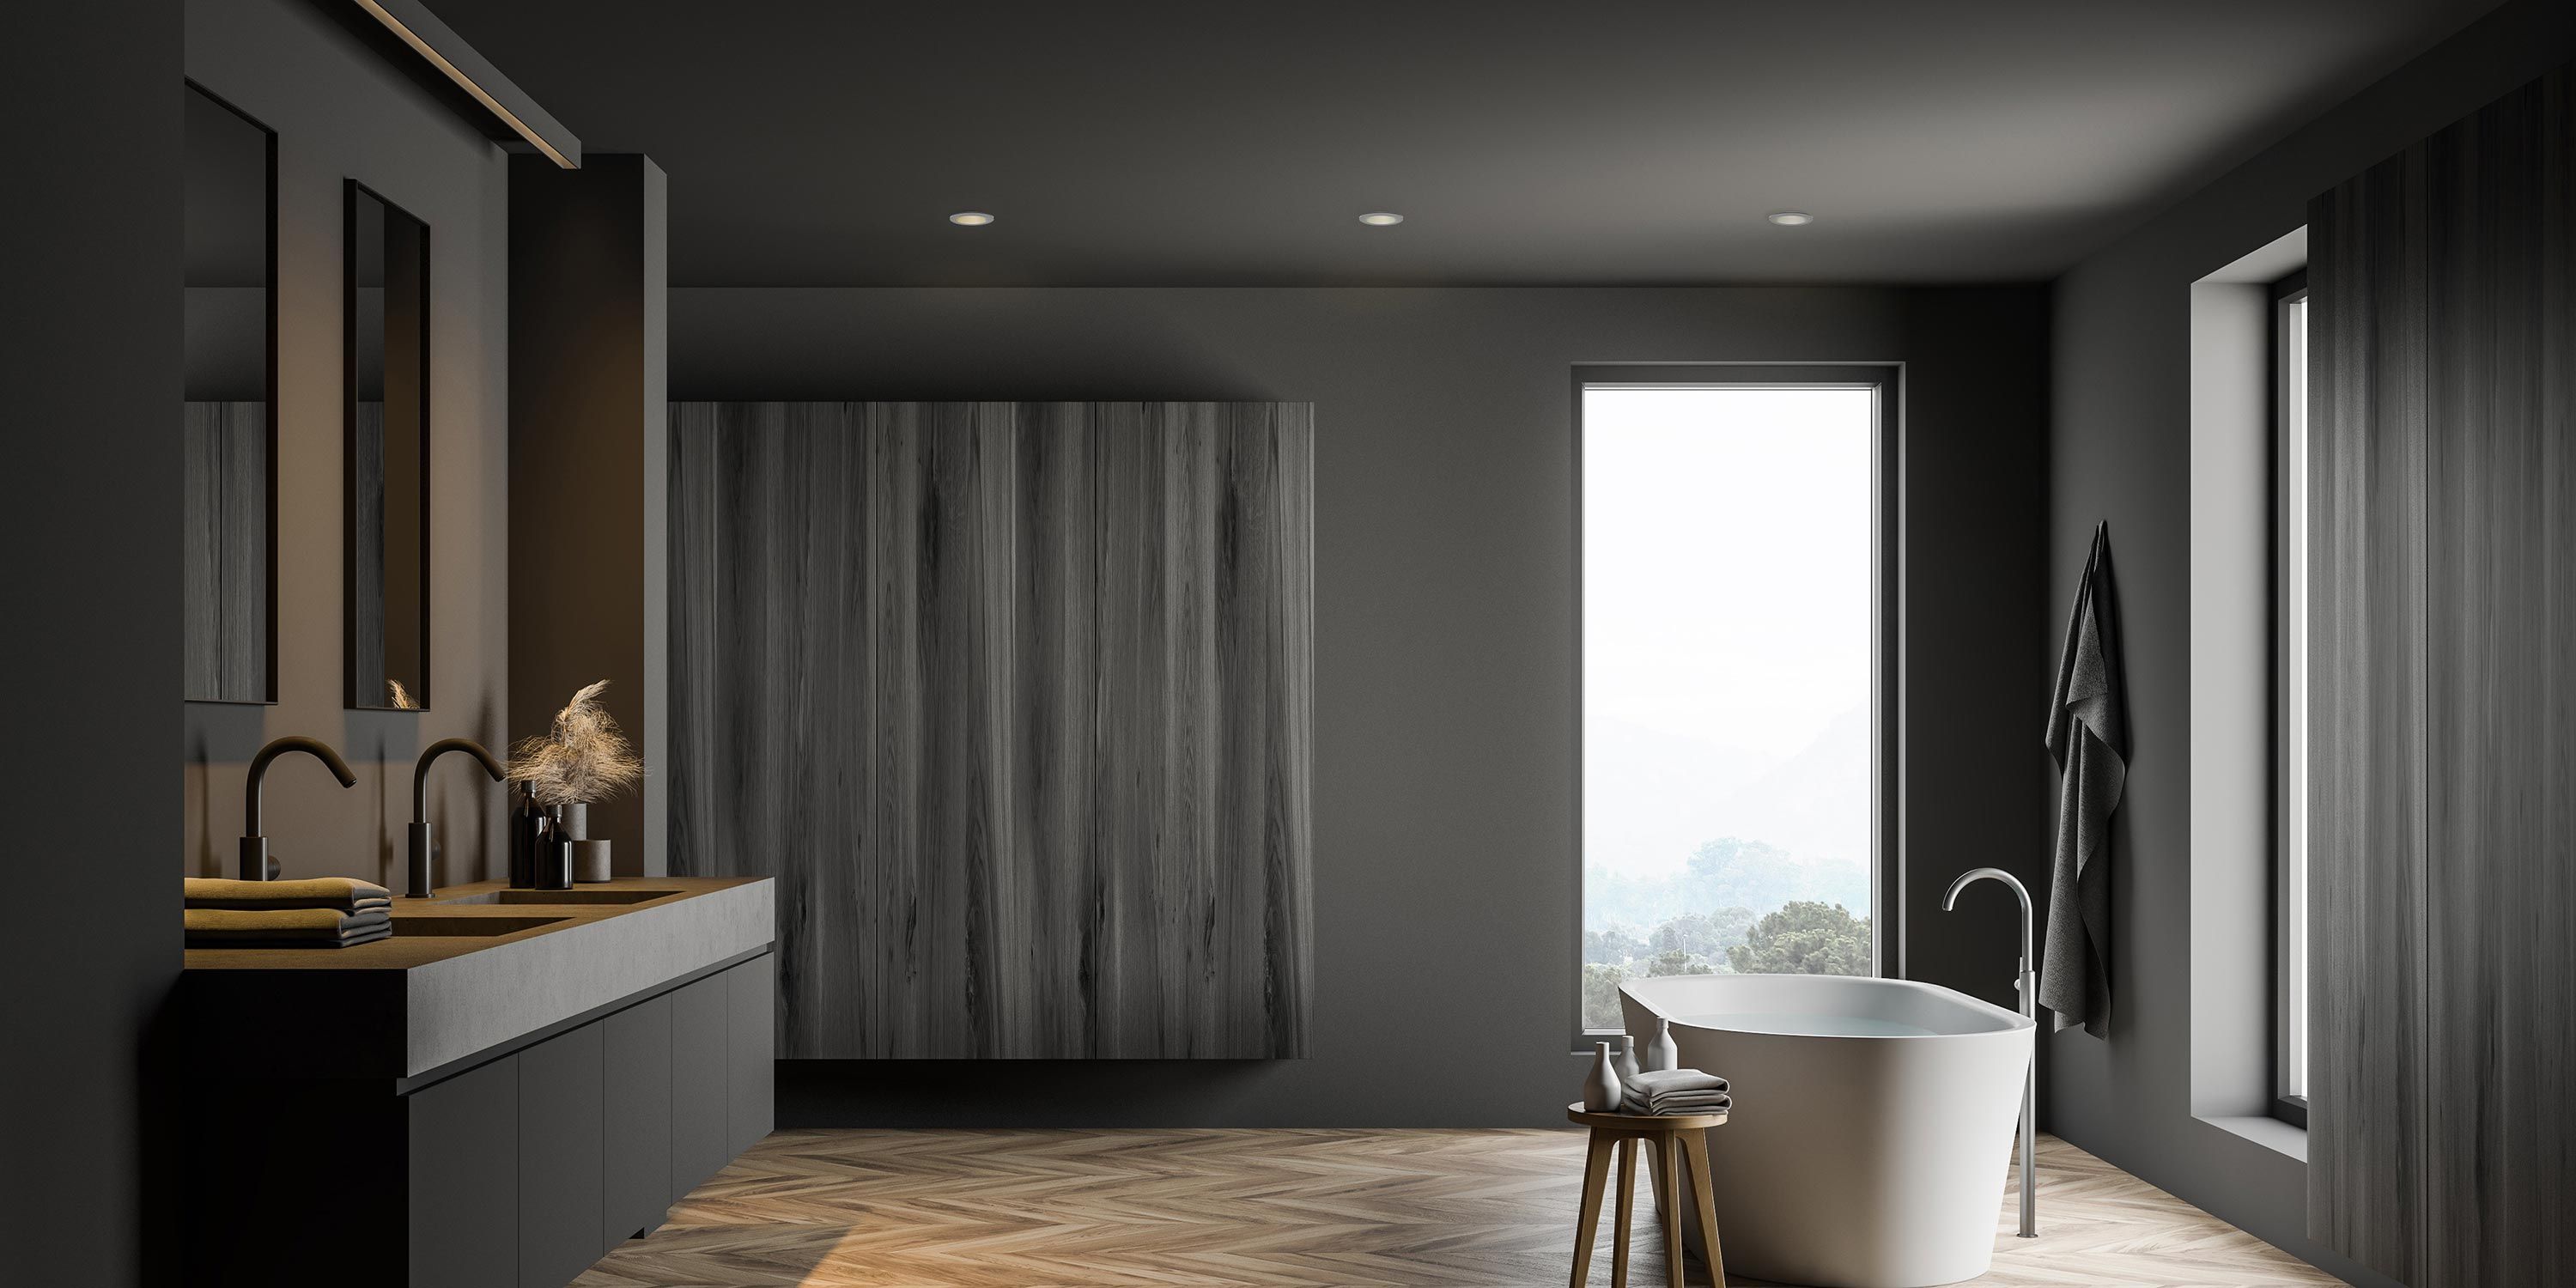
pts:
[1581, 1116]
[1675, 1144]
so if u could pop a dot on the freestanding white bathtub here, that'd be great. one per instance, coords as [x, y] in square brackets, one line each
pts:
[1874, 1120]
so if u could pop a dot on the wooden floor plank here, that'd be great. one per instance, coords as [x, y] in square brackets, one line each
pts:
[1029, 1209]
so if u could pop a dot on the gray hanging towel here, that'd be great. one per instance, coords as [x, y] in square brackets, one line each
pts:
[2088, 732]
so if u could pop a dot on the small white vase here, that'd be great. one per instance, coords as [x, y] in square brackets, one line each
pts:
[1601, 1086]
[1661, 1054]
[1626, 1061]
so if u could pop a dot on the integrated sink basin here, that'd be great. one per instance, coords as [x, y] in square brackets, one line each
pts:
[564, 898]
[469, 927]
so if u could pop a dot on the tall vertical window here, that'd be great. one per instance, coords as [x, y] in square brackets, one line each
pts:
[1729, 588]
[2290, 741]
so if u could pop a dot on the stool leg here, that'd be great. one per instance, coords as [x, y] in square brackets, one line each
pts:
[1669, 1198]
[1697, 1147]
[1627, 1201]
[1596, 1173]
[1655, 1175]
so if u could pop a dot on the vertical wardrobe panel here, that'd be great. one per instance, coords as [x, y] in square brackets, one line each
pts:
[1147, 934]
[2442, 824]
[464, 1179]
[1013, 700]
[698, 804]
[2366, 839]
[2543, 1064]
[751, 1052]
[635, 1106]
[1057, 868]
[2497, 238]
[884, 854]
[562, 1150]
[700, 1114]
[1264, 659]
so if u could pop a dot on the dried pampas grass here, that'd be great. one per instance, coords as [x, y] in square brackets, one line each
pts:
[583, 760]
[399, 697]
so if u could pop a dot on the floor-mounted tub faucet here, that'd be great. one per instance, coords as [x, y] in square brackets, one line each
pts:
[420, 844]
[2027, 984]
[255, 863]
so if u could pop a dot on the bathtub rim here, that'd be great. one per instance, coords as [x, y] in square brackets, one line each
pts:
[2014, 1021]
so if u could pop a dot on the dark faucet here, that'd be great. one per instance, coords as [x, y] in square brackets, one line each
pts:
[255, 863]
[420, 846]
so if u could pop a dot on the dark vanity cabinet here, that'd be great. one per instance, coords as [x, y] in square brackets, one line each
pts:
[637, 1099]
[463, 1141]
[521, 1166]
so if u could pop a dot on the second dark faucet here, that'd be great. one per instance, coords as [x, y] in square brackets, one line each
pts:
[420, 834]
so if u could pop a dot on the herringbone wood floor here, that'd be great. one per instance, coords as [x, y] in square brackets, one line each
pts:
[1024, 1209]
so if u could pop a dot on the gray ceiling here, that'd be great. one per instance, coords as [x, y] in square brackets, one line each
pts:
[1525, 141]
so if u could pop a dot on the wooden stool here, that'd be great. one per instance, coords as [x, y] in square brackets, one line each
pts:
[1672, 1142]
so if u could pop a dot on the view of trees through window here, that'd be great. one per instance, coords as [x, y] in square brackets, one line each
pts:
[1726, 684]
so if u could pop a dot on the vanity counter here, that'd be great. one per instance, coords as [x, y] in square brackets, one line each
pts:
[405, 1006]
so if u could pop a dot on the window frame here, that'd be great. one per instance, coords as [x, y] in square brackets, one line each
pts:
[1886, 381]
[2289, 736]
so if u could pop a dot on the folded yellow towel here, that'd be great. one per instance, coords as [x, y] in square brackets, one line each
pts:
[324, 925]
[345, 893]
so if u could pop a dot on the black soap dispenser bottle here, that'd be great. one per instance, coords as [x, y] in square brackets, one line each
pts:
[531, 833]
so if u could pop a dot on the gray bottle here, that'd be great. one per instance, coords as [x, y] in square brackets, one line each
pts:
[1661, 1054]
[1601, 1086]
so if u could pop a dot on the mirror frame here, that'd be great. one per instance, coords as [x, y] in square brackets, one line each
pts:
[269, 697]
[351, 192]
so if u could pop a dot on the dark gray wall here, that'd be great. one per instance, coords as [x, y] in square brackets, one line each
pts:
[342, 111]
[2119, 450]
[1445, 787]
[89, 514]
[588, 460]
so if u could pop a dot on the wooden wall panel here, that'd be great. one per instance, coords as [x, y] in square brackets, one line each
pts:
[1014, 699]
[2443, 806]
[225, 570]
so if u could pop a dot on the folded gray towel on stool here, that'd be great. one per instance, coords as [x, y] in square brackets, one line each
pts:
[1671, 1080]
[348, 894]
[1712, 1102]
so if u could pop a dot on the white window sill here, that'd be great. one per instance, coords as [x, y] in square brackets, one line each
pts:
[2268, 1132]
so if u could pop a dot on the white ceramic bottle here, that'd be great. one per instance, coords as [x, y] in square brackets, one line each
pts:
[1661, 1053]
[1626, 1061]
[1601, 1086]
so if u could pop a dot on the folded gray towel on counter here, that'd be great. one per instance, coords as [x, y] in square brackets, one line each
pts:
[228, 927]
[347, 894]
[254, 941]
[1670, 1080]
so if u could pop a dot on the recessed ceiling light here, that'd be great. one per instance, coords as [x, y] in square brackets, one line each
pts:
[1381, 219]
[1792, 218]
[970, 218]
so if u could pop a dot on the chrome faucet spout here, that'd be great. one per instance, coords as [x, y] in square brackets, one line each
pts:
[1974, 875]
[255, 863]
[2026, 983]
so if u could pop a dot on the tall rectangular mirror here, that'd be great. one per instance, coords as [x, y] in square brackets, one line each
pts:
[227, 409]
[385, 307]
